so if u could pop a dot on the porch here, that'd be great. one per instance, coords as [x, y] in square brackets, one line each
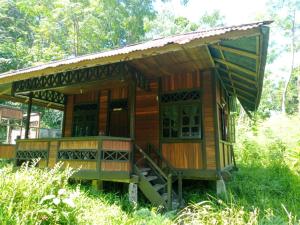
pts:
[96, 158]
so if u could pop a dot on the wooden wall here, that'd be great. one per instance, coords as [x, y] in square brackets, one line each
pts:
[147, 116]
[93, 97]
[183, 155]
[68, 116]
[225, 147]
[208, 119]
[178, 82]
[7, 151]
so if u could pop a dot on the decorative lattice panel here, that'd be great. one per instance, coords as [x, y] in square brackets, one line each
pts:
[115, 155]
[77, 155]
[181, 96]
[27, 155]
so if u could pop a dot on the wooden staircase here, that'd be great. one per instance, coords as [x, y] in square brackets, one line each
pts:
[156, 184]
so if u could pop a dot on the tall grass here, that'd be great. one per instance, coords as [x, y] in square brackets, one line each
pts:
[265, 190]
[35, 196]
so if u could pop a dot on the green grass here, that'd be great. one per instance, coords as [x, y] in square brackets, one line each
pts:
[265, 190]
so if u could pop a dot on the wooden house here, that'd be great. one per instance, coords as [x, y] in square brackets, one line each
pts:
[149, 114]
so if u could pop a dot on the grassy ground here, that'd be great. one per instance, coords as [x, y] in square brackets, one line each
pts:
[265, 190]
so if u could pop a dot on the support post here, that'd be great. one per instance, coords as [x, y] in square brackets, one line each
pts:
[132, 99]
[28, 116]
[8, 132]
[180, 188]
[169, 191]
[97, 184]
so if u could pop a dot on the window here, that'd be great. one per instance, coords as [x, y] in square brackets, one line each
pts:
[223, 123]
[85, 120]
[181, 118]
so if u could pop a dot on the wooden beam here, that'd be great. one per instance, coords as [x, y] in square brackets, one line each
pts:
[132, 104]
[210, 56]
[244, 98]
[239, 76]
[239, 84]
[28, 116]
[234, 66]
[236, 51]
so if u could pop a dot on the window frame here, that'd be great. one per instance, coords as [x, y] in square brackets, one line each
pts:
[180, 105]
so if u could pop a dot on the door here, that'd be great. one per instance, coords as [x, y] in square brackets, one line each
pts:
[119, 118]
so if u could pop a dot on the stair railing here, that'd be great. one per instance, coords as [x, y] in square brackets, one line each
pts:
[167, 177]
[171, 169]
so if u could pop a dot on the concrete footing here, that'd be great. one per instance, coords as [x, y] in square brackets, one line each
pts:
[221, 187]
[133, 193]
[97, 184]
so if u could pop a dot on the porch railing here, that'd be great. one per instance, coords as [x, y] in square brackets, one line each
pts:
[97, 157]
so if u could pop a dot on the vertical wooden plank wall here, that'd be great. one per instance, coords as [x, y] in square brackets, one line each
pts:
[103, 110]
[147, 116]
[69, 116]
[183, 154]
[208, 119]
[224, 146]
[100, 97]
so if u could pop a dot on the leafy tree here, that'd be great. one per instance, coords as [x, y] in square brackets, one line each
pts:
[284, 13]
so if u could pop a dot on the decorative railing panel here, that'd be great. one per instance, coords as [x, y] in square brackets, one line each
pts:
[94, 154]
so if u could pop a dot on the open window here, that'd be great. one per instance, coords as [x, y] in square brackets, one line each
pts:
[85, 120]
[223, 121]
[181, 115]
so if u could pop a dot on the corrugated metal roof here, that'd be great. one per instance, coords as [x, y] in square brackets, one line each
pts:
[180, 39]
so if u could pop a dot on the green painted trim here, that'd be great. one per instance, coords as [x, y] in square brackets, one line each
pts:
[85, 138]
[180, 140]
[108, 120]
[216, 120]
[159, 80]
[199, 174]
[203, 142]
[132, 108]
[64, 117]
[121, 176]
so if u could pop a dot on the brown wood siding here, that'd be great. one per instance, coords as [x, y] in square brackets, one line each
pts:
[183, 155]
[90, 97]
[52, 153]
[184, 81]
[208, 123]
[147, 116]
[119, 93]
[103, 110]
[7, 151]
[85, 165]
[69, 116]
[33, 146]
[115, 166]
[117, 145]
[78, 145]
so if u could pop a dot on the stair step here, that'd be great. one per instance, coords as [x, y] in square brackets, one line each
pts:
[165, 196]
[145, 169]
[157, 187]
[150, 178]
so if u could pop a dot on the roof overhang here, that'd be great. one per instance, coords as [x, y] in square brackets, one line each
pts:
[237, 52]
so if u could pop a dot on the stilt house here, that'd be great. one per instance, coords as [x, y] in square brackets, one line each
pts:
[148, 114]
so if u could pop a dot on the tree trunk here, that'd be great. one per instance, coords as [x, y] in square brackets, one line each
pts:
[283, 106]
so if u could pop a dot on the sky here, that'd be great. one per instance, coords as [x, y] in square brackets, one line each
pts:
[235, 11]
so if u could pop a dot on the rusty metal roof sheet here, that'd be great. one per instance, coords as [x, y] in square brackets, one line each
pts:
[180, 39]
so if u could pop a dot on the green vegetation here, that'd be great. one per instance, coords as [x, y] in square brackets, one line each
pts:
[265, 190]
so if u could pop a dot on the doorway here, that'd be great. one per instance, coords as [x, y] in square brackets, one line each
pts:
[119, 118]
